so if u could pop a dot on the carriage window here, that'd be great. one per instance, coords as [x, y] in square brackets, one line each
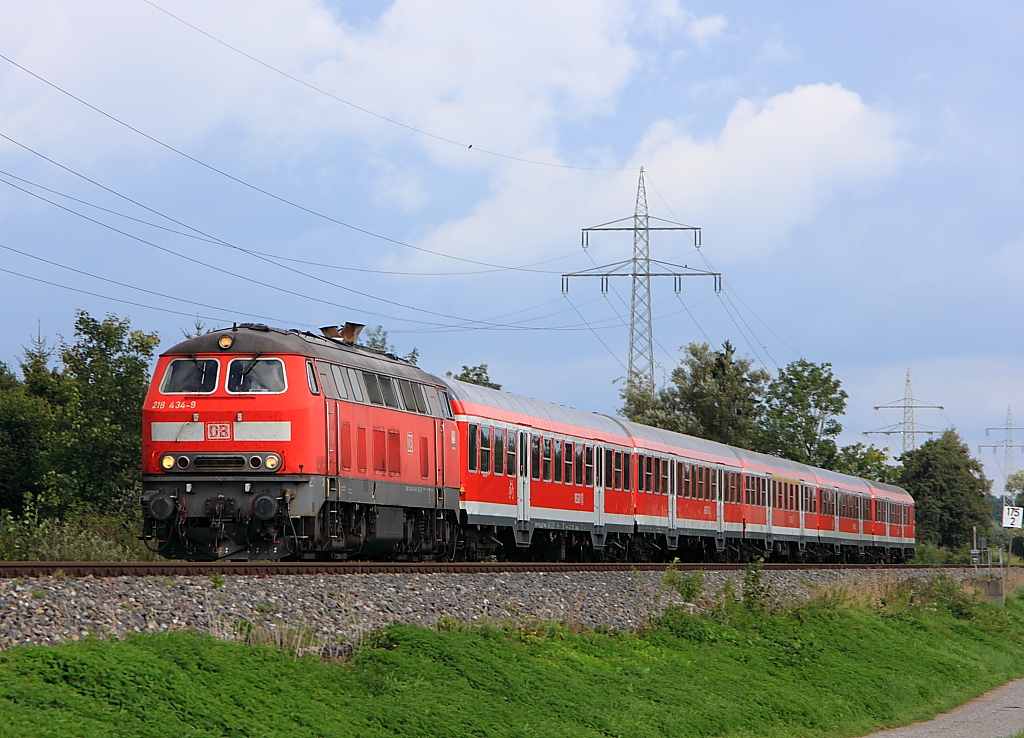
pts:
[535, 456]
[473, 446]
[657, 476]
[590, 466]
[499, 450]
[618, 470]
[510, 454]
[597, 468]
[339, 381]
[256, 375]
[640, 475]
[357, 388]
[190, 376]
[547, 459]
[558, 462]
[579, 464]
[609, 468]
[568, 462]
[373, 388]
[485, 449]
[627, 480]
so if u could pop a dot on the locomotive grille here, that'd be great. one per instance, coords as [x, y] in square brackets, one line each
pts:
[218, 462]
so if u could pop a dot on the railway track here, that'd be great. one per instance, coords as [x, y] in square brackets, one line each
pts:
[15, 569]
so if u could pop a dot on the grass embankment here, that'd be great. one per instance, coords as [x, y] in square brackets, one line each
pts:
[827, 668]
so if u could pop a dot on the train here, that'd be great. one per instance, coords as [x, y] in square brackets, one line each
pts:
[262, 443]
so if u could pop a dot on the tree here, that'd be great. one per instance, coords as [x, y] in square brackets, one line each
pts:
[867, 462]
[1015, 487]
[109, 367]
[712, 395]
[27, 425]
[799, 415]
[377, 339]
[476, 375]
[948, 487]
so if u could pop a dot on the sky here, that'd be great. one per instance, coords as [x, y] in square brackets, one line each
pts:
[855, 168]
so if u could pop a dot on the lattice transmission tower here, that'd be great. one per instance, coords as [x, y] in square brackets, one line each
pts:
[1006, 444]
[640, 269]
[908, 429]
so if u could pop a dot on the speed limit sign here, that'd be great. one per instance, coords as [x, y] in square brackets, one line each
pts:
[1013, 517]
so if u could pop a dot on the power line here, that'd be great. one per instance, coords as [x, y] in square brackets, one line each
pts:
[141, 289]
[464, 146]
[114, 299]
[464, 321]
[244, 183]
[596, 334]
[197, 235]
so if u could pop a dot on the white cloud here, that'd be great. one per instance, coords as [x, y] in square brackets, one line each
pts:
[770, 169]
[499, 75]
[668, 14]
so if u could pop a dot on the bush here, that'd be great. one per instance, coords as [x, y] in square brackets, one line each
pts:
[82, 536]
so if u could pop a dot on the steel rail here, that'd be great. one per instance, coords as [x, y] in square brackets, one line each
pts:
[16, 569]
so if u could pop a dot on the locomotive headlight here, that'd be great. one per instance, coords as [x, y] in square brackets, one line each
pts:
[273, 462]
[167, 462]
[225, 341]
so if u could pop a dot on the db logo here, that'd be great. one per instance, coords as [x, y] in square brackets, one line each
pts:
[218, 431]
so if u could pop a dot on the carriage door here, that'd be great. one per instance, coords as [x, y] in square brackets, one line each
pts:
[599, 482]
[804, 500]
[523, 490]
[672, 492]
[719, 503]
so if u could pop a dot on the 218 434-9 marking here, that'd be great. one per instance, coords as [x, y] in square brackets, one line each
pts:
[173, 405]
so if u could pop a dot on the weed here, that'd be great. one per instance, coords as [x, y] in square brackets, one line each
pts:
[38, 594]
[690, 587]
[757, 593]
[216, 580]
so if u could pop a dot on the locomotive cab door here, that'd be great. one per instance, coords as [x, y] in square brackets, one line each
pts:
[439, 450]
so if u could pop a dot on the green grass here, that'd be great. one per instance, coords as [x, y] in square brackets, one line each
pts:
[823, 669]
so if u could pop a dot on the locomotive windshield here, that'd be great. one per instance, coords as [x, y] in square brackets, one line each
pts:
[256, 375]
[190, 376]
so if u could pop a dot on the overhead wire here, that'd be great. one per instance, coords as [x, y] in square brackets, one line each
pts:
[466, 324]
[750, 343]
[462, 145]
[244, 183]
[463, 321]
[113, 299]
[596, 334]
[198, 236]
[142, 289]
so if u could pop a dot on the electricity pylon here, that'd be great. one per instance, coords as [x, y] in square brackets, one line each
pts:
[1007, 445]
[641, 328]
[908, 428]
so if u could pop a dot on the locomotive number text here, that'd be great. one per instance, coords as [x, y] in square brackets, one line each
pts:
[173, 405]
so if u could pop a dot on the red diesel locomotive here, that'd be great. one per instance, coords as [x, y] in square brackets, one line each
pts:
[261, 443]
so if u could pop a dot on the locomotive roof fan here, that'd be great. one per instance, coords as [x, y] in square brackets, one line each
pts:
[349, 333]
